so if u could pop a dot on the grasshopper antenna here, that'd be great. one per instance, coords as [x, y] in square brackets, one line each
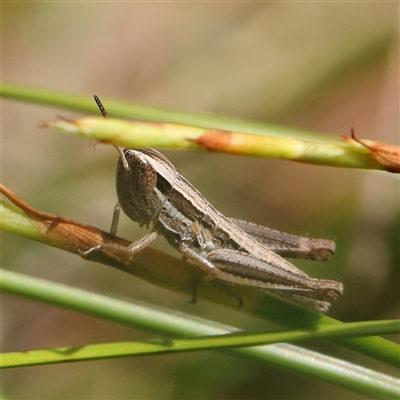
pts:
[119, 148]
[100, 105]
[117, 208]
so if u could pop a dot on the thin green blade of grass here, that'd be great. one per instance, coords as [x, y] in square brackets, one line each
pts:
[135, 111]
[215, 342]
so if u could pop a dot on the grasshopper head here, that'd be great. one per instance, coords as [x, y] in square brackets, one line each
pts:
[143, 182]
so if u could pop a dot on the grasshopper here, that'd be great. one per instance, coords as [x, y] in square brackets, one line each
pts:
[151, 192]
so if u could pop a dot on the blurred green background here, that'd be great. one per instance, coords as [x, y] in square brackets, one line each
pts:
[323, 67]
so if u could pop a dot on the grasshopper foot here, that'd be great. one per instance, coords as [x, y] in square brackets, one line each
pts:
[85, 254]
[194, 287]
[229, 292]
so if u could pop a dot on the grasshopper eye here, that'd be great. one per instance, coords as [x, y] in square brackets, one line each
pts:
[143, 177]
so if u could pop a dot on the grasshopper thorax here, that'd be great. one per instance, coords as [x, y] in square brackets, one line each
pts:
[144, 181]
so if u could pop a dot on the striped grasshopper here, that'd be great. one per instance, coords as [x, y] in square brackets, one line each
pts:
[151, 192]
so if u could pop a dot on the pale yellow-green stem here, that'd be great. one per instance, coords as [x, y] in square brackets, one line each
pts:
[351, 153]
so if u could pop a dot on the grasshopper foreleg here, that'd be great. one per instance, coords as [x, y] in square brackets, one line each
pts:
[133, 248]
